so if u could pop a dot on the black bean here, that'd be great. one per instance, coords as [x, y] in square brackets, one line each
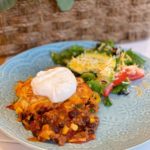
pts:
[55, 140]
[61, 125]
[42, 110]
[92, 125]
[23, 116]
[92, 105]
[86, 120]
[56, 129]
[73, 113]
[31, 118]
[88, 103]
[91, 131]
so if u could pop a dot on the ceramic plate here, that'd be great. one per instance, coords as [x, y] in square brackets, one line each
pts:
[125, 124]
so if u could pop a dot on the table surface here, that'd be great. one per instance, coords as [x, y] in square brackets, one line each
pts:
[142, 47]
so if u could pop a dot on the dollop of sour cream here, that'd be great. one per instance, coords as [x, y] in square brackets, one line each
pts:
[58, 84]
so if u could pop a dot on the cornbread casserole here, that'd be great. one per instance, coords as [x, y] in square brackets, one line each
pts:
[73, 121]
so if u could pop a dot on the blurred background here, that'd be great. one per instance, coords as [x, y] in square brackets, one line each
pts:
[30, 23]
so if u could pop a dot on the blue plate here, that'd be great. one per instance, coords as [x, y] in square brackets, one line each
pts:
[125, 124]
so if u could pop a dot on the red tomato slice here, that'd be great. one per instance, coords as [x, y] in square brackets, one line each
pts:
[120, 77]
[108, 89]
[133, 72]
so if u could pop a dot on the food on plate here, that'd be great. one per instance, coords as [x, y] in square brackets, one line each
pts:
[61, 104]
[58, 84]
[105, 68]
[72, 120]
[101, 64]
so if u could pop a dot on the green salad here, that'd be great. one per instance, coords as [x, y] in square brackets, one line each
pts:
[105, 68]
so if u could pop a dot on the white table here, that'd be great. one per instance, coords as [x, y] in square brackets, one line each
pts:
[142, 47]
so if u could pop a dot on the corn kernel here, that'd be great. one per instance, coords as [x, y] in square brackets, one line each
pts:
[45, 127]
[46, 132]
[92, 119]
[74, 127]
[18, 110]
[65, 130]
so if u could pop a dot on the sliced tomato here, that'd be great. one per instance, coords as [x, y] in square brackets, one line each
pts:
[108, 89]
[120, 77]
[133, 72]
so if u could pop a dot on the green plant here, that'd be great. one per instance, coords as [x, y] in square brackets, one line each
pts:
[6, 4]
[64, 5]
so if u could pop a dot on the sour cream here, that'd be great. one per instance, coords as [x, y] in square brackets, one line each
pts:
[58, 84]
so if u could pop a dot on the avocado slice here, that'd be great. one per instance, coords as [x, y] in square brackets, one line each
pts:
[99, 63]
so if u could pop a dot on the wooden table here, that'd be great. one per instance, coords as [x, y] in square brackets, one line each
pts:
[2, 59]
